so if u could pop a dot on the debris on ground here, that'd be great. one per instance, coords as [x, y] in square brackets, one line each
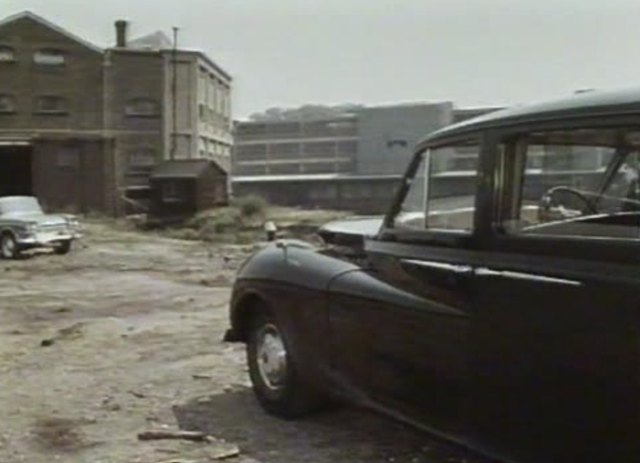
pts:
[160, 434]
[74, 331]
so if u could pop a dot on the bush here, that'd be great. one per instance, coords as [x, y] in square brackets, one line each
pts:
[250, 206]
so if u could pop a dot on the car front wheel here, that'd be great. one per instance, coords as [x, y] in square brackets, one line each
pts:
[9, 247]
[276, 381]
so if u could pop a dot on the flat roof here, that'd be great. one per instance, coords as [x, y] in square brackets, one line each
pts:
[181, 168]
[583, 104]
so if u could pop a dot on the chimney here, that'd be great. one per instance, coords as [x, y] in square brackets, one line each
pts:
[121, 33]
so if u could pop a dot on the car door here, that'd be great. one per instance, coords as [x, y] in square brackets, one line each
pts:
[556, 339]
[405, 317]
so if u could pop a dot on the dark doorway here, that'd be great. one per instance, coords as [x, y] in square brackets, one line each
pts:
[15, 171]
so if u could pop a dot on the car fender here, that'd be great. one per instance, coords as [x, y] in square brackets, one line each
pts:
[291, 280]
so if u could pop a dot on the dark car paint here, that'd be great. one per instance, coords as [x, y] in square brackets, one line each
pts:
[529, 349]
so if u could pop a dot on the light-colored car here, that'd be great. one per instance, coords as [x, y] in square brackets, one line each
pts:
[24, 225]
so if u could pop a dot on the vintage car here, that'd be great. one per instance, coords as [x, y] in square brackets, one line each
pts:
[23, 225]
[497, 306]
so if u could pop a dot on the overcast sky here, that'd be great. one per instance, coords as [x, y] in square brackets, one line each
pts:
[472, 52]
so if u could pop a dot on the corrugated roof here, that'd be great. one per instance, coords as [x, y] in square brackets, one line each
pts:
[188, 168]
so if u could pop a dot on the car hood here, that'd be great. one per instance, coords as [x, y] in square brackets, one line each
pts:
[350, 232]
[38, 218]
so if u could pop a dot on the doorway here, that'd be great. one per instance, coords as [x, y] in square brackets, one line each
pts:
[16, 170]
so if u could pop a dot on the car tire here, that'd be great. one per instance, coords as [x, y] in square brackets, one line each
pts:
[276, 381]
[63, 248]
[9, 248]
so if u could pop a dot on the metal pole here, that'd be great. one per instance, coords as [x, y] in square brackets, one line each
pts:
[174, 95]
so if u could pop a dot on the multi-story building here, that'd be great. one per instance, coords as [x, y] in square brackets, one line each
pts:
[350, 162]
[82, 127]
[296, 147]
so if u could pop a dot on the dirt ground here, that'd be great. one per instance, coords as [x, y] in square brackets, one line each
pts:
[123, 335]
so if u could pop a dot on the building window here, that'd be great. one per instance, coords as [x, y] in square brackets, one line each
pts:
[51, 105]
[173, 192]
[142, 107]
[49, 57]
[68, 158]
[7, 104]
[397, 142]
[7, 54]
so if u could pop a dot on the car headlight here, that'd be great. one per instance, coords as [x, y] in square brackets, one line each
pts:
[31, 228]
[72, 222]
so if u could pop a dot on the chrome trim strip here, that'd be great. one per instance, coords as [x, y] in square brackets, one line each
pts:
[439, 265]
[483, 271]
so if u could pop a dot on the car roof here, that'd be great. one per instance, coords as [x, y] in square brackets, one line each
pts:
[583, 104]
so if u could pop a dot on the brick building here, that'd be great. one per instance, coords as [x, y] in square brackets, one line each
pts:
[82, 127]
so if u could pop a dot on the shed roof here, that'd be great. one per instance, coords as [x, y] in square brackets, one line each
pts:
[183, 168]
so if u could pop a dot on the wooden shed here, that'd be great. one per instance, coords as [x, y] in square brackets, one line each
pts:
[181, 188]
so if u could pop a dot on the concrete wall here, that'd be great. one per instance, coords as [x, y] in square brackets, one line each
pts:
[293, 148]
[214, 115]
[387, 135]
[203, 108]
[364, 196]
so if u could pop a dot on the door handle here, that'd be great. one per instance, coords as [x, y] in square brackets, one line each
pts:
[443, 266]
[484, 271]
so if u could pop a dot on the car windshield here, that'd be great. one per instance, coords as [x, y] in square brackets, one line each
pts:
[20, 206]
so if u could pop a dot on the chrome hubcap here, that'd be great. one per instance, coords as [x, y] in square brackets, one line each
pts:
[272, 357]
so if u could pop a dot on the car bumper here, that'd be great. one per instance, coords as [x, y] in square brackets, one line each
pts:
[46, 239]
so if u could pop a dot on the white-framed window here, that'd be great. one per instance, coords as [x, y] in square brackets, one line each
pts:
[7, 104]
[7, 54]
[49, 57]
[51, 104]
[142, 107]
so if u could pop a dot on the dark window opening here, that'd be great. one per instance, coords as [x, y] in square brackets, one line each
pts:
[7, 104]
[142, 107]
[50, 104]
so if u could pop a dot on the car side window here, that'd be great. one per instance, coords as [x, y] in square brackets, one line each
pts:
[441, 193]
[580, 183]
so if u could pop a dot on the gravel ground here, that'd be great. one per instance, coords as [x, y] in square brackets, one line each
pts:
[124, 335]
